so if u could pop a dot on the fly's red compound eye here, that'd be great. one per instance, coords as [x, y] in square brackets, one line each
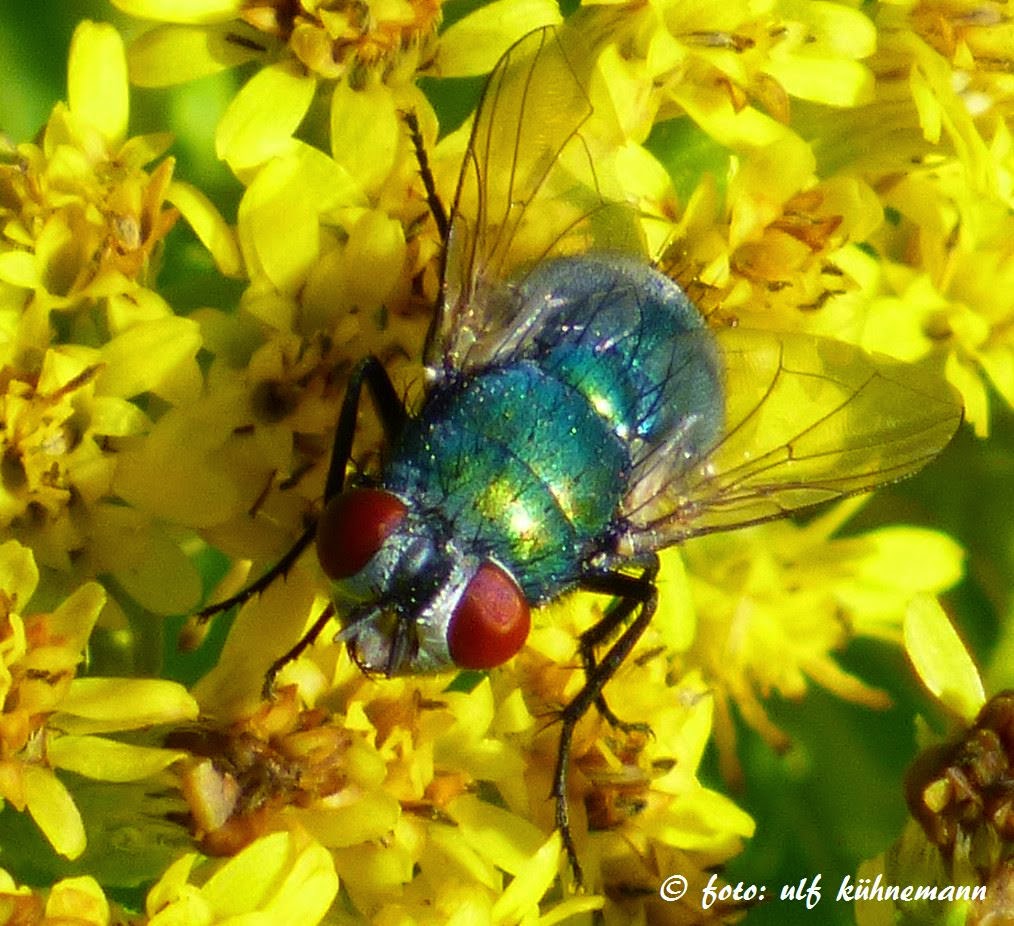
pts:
[491, 621]
[353, 527]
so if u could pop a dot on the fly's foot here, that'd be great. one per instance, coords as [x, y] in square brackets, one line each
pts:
[624, 726]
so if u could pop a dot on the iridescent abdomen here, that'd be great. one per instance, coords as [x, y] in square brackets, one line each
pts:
[529, 459]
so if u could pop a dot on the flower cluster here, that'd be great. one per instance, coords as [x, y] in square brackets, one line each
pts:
[828, 167]
[958, 789]
[50, 717]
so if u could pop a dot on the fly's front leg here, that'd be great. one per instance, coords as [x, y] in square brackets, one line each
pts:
[389, 407]
[392, 416]
[637, 594]
[436, 207]
[307, 639]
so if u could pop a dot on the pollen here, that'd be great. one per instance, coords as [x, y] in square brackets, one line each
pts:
[334, 39]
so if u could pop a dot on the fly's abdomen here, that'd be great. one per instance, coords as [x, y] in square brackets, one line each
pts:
[630, 341]
[521, 466]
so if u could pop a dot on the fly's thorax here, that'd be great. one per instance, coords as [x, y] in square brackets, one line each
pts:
[410, 598]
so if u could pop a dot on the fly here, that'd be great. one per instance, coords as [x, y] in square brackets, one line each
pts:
[579, 416]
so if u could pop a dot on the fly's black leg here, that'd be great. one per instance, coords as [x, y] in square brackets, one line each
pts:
[301, 644]
[432, 199]
[616, 616]
[280, 568]
[636, 593]
[389, 407]
[392, 416]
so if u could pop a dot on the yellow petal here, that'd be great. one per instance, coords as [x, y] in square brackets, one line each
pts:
[18, 573]
[522, 896]
[281, 212]
[158, 357]
[911, 558]
[76, 616]
[186, 909]
[114, 417]
[307, 890]
[181, 11]
[52, 808]
[157, 574]
[189, 487]
[123, 704]
[279, 228]
[143, 149]
[767, 178]
[676, 617]
[169, 887]
[376, 253]
[233, 687]
[365, 132]
[504, 838]
[19, 268]
[373, 816]
[819, 61]
[941, 659]
[711, 109]
[835, 82]
[108, 760]
[79, 901]
[97, 80]
[168, 55]
[475, 43]
[262, 117]
[207, 222]
[124, 311]
[273, 872]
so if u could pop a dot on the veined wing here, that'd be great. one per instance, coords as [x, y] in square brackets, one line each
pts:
[532, 186]
[807, 420]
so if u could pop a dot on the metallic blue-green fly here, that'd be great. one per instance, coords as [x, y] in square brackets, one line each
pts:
[579, 416]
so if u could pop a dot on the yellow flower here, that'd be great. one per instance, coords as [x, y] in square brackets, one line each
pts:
[775, 602]
[368, 53]
[385, 771]
[72, 900]
[130, 429]
[279, 879]
[83, 221]
[935, 144]
[85, 340]
[958, 789]
[764, 231]
[50, 718]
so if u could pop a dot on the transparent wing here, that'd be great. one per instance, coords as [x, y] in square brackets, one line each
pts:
[532, 186]
[807, 420]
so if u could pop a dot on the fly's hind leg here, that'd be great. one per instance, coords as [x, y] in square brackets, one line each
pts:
[616, 616]
[636, 594]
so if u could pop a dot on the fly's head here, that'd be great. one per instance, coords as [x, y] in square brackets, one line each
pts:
[411, 600]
